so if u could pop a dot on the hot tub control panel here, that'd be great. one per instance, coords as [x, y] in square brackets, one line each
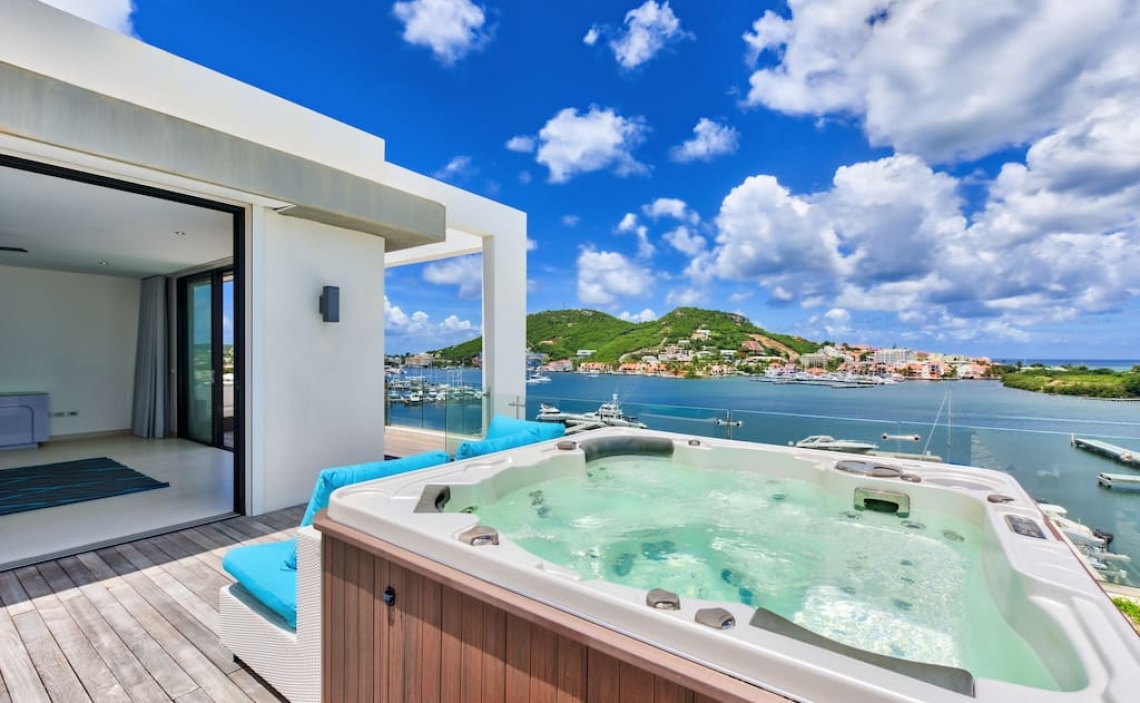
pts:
[1024, 526]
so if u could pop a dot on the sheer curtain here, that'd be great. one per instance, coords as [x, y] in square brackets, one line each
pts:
[149, 416]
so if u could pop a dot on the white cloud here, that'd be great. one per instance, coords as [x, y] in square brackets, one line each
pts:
[945, 79]
[648, 29]
[450, 28]
[458, 166]
[628, 224]
[524, 177]
[522, 144]
[605, 276]
[836, 322]
[464, 271]
[686, 241]
[591, 37]
[645, 315]
[112, 14]
[686, 298]
[531, 244]
[417, 332]
[670, 207]
[710, 141]
[892, 236]
[570, 220]
[571, 144]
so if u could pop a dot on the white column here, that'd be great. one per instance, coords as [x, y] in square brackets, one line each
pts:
[504, 322]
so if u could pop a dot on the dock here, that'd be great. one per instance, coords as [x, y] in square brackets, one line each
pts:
[1121, 455]
[1111, 480]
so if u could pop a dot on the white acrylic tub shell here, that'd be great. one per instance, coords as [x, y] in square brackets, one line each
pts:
[1046, 593]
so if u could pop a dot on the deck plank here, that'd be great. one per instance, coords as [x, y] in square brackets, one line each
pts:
[20, 676]
[55, 671]
[136, 622]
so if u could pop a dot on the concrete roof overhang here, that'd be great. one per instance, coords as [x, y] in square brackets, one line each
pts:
[48, 110]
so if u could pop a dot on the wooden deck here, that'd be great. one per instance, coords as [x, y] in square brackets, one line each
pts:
[405, 441]
[136, 622]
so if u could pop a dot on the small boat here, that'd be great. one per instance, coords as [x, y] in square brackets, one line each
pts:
[537, 377]
[608, 414]
[823, 441]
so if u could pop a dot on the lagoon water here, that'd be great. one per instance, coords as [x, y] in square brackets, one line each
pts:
[975, 423]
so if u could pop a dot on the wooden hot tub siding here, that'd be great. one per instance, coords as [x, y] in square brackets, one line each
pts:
[450, 637]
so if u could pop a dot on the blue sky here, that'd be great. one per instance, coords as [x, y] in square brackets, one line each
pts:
[950, 175]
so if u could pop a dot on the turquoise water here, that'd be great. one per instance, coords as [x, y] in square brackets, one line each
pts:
[910, 588]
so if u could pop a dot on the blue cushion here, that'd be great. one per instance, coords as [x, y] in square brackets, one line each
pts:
[261, 570]
[466, 450]
[503, 426]
[331, 479]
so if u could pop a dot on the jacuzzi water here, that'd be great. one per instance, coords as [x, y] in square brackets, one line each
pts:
[815, 562]
[909, 588]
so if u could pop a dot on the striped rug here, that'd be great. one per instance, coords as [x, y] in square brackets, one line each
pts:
[48, 485]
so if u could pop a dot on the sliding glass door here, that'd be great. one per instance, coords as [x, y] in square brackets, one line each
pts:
[206, 358]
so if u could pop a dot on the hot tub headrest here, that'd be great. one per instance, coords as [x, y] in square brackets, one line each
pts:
[603, 447]
[948, 677]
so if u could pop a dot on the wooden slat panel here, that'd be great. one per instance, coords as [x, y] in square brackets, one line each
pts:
[431, 640]
[350, 624]
[547, 619]
[636, 684]
[603, 682]
[365, 606]
[410, 611]
[333, 644]
[571, 671]
[517, 674]
[669, 692]
[543, 665]
[395, 683]
[494, 655]
[381, 645]
[451, 644]
[471, 654]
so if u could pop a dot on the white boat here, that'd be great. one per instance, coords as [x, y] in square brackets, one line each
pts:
[537, 377]
[608, 414]
[823, 441]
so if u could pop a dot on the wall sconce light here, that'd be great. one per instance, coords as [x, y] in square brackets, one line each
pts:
[330, 304]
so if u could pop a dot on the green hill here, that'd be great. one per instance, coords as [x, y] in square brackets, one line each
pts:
[560, 334]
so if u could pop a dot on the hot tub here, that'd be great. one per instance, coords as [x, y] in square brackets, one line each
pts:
[815, 575]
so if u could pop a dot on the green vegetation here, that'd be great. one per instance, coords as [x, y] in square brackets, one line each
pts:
[560, 334]
[1073, 380]
[1130, 608]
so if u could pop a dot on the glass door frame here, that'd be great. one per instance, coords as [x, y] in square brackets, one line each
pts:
[214, 278]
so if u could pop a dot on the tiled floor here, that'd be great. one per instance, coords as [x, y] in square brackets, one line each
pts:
[132, 623]
[201, 488]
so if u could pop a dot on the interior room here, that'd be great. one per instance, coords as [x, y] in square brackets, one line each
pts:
[117, 305]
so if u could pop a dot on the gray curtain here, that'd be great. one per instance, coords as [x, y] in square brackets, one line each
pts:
[148, 418]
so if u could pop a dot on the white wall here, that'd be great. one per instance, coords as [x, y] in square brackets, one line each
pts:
[72, 335]
[318, 394]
